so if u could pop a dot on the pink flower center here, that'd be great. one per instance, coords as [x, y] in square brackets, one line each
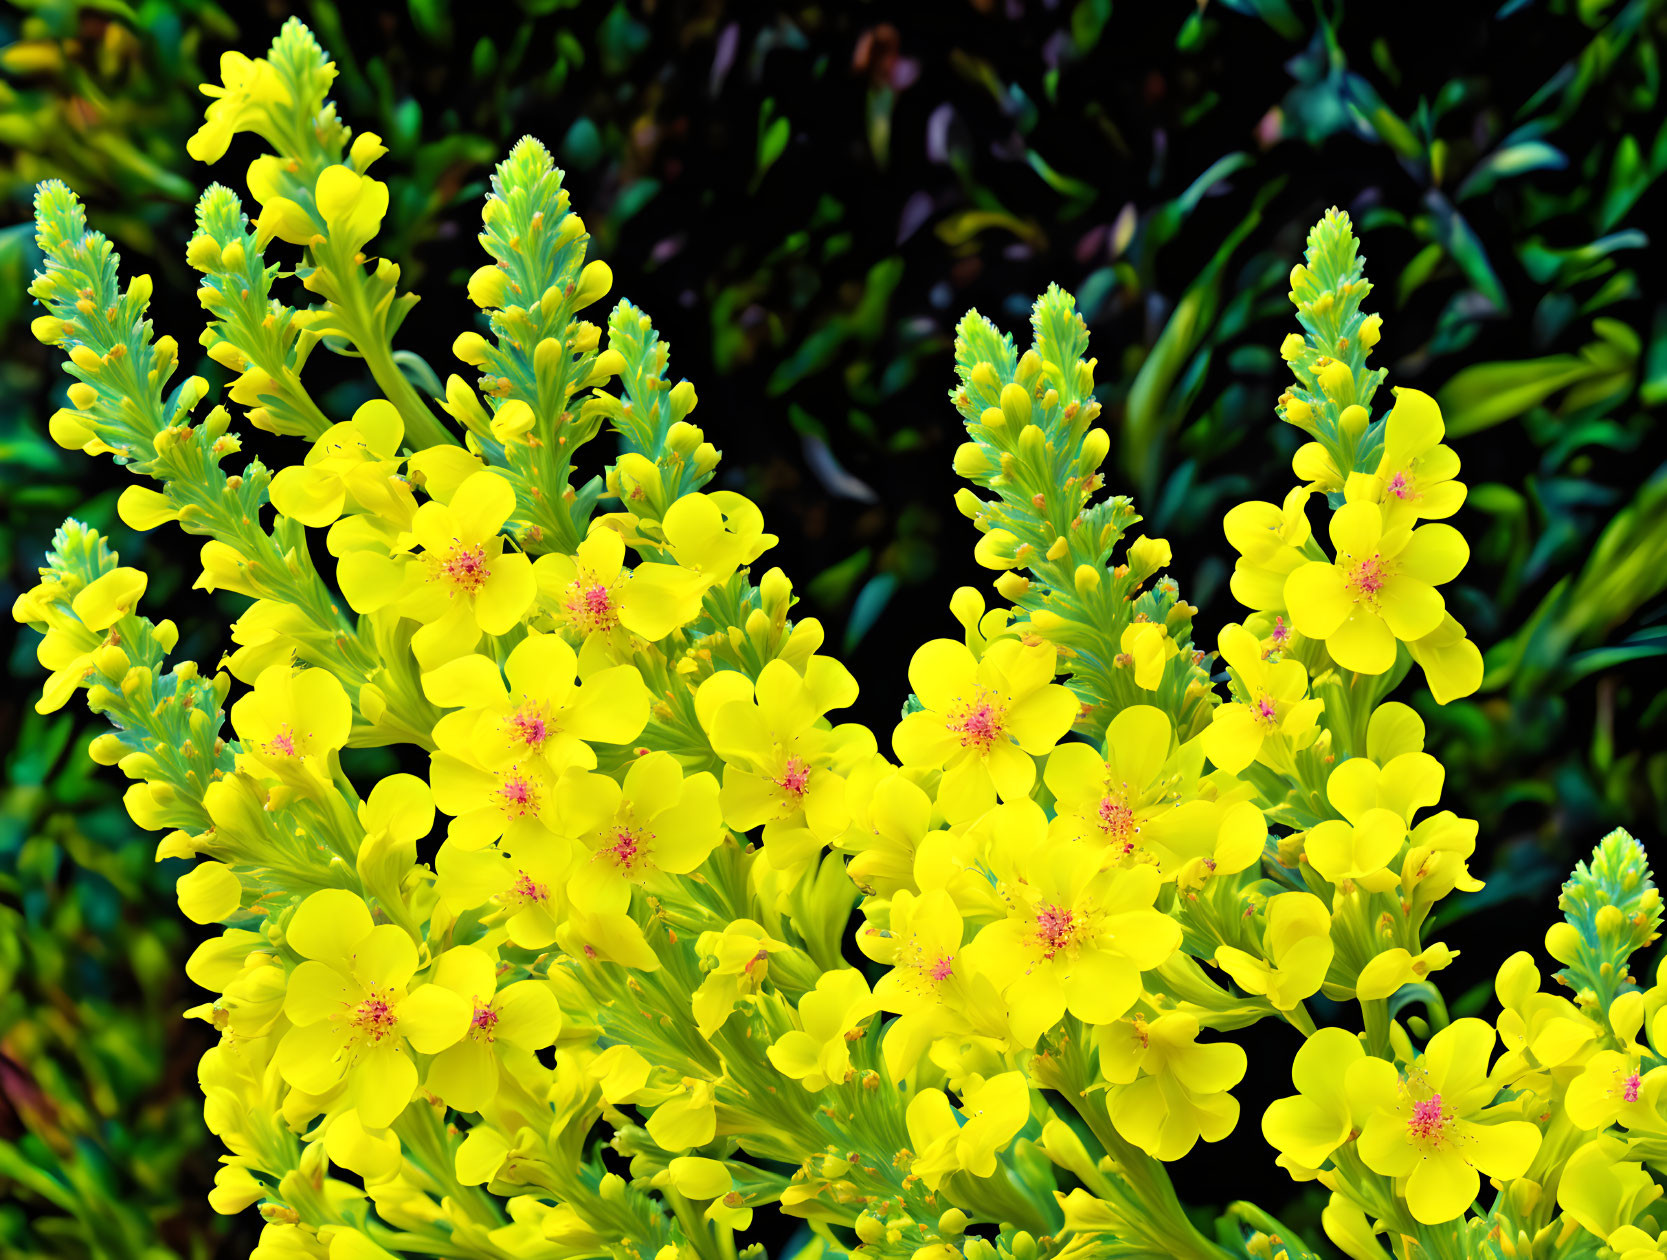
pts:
[590, 606]
[1281, 633]
[795, 776]
[282, 743]
[1629, 1091]
[465, 568]
[943, 969]
[979, 722]
[1116, 818]
[374, 1018]
[1401, 486]
[518, 795]
[484, 1024]
[525, 890]
[628, 850]
[1055, 929]
[1365, 578]
[1428, 1120]
[527, 725]
[1267, 712]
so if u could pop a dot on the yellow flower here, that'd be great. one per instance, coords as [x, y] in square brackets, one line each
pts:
[948, 1140]
[1433, 1127]
[1416, 472]
[890, 815]
[523, 880]
[544, 713]
[1141, 801]
[1075, 938]
[780, 757]
[1167, 1089]
[520, 1018]
[1378, 803]
[1612, 1089]
[1540, 1031]
[515, 800]
[1380, 589]
[1296, 952]
[657, 824]
[463, 584]
[240, 100]
[983, 720]
[1269, 539]
[1605, 1192]
[1309, 1125]
[934, 992]
[355, 460]
[1452, 664]
[593, 593]
[1149, 648]
[291, 725]
[1274, 705]
[355, 1016]
[818, 1052]
[740, 958]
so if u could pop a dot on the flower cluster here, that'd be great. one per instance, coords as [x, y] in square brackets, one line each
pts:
[537, 839]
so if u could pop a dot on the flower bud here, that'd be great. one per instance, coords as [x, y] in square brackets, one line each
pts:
[471, 348]
[594, 282]
[1292, 347]
[488, 286]
[1015, 405]
[1354, 420]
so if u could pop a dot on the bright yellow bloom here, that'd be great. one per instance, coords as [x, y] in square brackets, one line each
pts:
[291, 726]
[1605, 1192]
[1378, 803]
[355, 461]
[1452, 664]
[1296, 952]
[780, 757]
[544, 713]
[1168, 1089]
[464, 584]
[1269, 539]
[1541, 1032]
[523, 881]
[593, 593]
[1075, 938]
[740, 958]
[818, 1052]
[1142, 801]
[933, 990]
[1433, 1127]
[247, 87]
[983, 721]
[1380, 589]
[1613, 1089]
[1148, 648]
[516, 800]
[1416, 471]
[890, 815]
[657, 823]
[1309, 1125]
[518, 1019]
[990, 1116]
[355, 1016]
[1273, 705]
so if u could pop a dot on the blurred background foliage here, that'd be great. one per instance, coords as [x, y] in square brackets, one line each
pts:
[807, 196]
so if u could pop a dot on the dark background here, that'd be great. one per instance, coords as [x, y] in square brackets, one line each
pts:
[806, 198]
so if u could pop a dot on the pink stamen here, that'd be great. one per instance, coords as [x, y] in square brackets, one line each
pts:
[374, 1018]
[1629, 1092]
[1055, 927]
[1281, 632]
[1428, 1120]
[282, 743]
[1366, 579]
[627, 850]
[1117, 822]
[527, 725]
[1266, 710]
[943, 969]
[483, 1026]
[979, 722]
[517, 794]
[1400, 485]
[525, 889]
[795, 776]
[590, 605]
[466, 568]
